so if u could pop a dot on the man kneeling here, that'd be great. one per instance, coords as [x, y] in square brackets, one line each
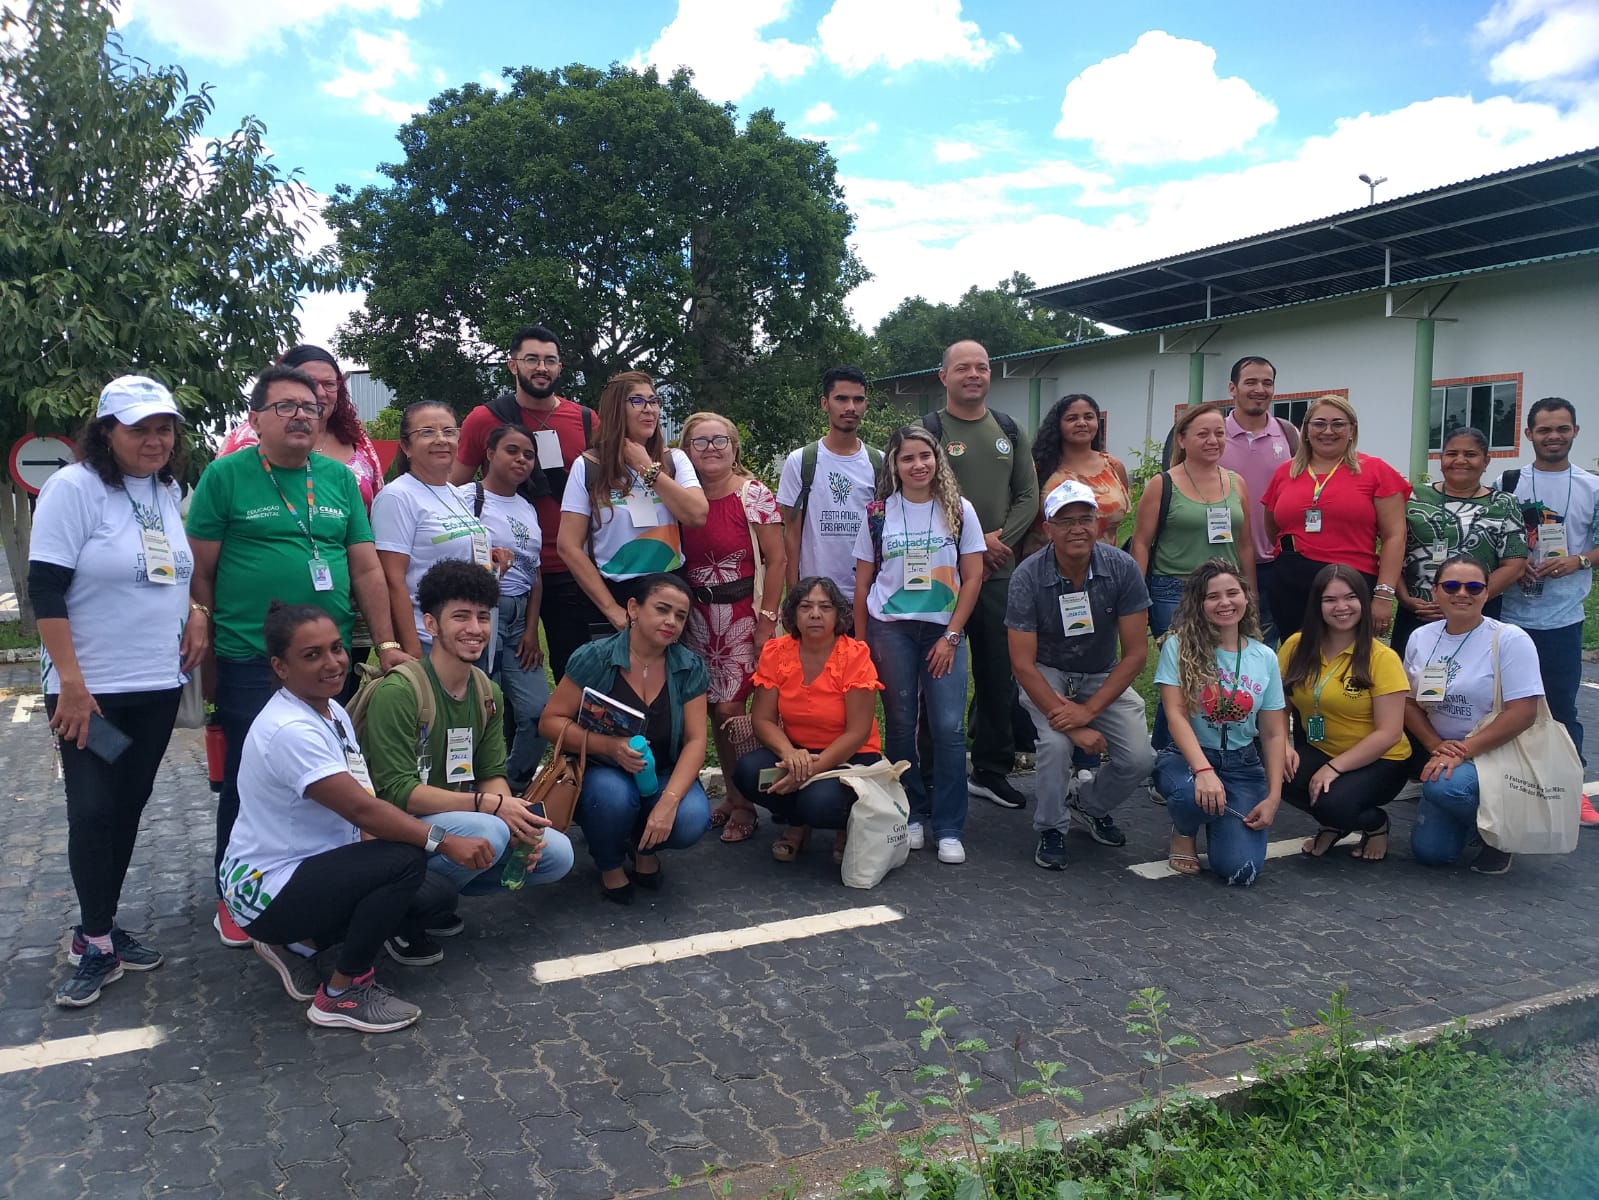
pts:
[462, 752]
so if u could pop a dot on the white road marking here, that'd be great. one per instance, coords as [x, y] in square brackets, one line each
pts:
[76, 1049]
[24, 710]
[1589, 683]
[1159, 869]
[555, 969]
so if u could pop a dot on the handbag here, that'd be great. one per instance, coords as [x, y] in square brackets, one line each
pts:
[191, 704]
[1530, 788]
[878, 839]
[559, 783]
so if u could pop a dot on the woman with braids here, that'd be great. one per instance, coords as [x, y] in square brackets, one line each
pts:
[1070, 445]
[919, 568]
[1220, 686]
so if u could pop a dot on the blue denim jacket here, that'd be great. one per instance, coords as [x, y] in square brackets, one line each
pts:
[597, 665]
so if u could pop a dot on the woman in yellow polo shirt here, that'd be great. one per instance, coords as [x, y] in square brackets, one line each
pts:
[1349, 755]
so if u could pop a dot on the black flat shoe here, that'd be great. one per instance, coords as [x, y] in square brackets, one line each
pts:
[650, 882]
[618, 895]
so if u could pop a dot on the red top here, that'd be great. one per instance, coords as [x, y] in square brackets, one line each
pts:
[1348, 510]
[566, 418]
[813, 713]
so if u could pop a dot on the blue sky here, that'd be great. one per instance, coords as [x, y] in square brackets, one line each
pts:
[973, 139]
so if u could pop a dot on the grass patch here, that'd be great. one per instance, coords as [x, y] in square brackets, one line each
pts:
[12, 637]
[1590, 620]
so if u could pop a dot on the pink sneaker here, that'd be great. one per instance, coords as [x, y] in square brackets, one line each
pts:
[1588, 814]
[227, 929]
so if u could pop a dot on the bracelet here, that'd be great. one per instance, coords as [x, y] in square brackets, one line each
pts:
[649, 477]
[1384, 589]
[477, 801]
[1192, 771]
[499, 803]
[1332, 768]
[199, 608]
[382, 646]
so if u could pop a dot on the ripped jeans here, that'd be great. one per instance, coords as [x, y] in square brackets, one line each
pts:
[1237, 852]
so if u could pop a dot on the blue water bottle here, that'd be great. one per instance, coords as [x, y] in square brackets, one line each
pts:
[647, 783]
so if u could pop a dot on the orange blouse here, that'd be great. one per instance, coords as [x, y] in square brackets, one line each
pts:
[813, 713]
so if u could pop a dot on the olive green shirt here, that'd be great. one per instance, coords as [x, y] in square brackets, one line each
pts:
[996, 476]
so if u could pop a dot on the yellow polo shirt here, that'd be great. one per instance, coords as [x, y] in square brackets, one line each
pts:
[1347, 709]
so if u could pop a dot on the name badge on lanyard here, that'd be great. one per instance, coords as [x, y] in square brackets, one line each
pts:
[1218, 525]
[482, 552]
[1437, 552]
[1313, 520]
[321, 575]
[1551, 542]
[641, 511]
[159, 564]
[1076, 616]
[458, 756]
[548, 445]
[1433, 682]
[355, 764]
[918, 569]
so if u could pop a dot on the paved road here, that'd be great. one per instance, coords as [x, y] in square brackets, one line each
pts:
[609, 1084]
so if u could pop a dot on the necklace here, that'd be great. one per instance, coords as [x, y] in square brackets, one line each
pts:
[1220, 479]
[645, 664]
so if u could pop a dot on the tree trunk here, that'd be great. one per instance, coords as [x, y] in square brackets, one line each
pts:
[16, 527]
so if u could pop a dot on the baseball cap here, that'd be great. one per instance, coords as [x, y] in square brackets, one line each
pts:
[1069, 492]
[132, 398]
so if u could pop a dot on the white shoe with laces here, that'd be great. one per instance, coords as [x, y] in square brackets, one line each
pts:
[950, 850]
[914, 836]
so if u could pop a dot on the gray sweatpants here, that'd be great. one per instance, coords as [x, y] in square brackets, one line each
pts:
[1126, 739]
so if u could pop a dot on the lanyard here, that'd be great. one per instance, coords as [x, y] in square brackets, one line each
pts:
[155, 505]
[1227, 703]
[1571, 473]
[1458, 649]
[459, 505]
[310, 499]
[1320, 484]
[905, 521]
[1331, 671]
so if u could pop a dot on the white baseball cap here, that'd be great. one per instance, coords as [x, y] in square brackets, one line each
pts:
[133, 398]
[1069, 492]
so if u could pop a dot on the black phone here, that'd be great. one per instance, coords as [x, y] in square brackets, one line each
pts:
[105, 741]
[536, 807]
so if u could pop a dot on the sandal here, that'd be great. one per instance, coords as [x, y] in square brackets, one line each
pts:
[787, 848]
[740, 825]
[1360, 852]
[838, 847]
[1324, 840]
[1183, 862]
[719, 817]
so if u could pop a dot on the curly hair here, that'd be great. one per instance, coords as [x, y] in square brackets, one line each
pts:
[946, 488]
[456, 579]
[1047, 443]
[734, 444]
[1197, 638]
[94, 450]
[605, 469]
[1305, 663]
[343, 422]
[843, 610]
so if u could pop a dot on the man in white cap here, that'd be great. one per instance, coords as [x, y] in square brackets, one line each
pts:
[1068, 609]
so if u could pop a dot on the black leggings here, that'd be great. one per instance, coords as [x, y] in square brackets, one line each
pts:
[105, 800]
[357, 895]
[822, 805]
[1354, 803]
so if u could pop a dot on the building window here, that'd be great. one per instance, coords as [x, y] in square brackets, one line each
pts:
[1491, 405]
[1293, 411]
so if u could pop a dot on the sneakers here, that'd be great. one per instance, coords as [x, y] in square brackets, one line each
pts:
[228, 929]
[1588, 814]
[415, 950]
[1492, 861]
[950, 850]
[365, 1005]
[914, 835]
[135, 955]
[991, 785]
[445, 925]
[298, 973]
[96, 968]
[1102, 829]
[1051, 852]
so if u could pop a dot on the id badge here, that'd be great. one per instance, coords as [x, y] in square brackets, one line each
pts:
[1316, 727]
[548, 445]
[321, 575]
[1551, 542]
[159, 565]
[482, 552]
[1076, 617]
[458, 756]
[355, 764]
[918, 570]
[1218, 526]
[641, 511]
[1437, 553]
[1313, 520]
[1433, 683]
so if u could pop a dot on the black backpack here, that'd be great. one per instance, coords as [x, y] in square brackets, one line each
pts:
[541, 481]
[934, 423]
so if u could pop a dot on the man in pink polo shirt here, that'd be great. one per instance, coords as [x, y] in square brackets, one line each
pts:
[1257, 444]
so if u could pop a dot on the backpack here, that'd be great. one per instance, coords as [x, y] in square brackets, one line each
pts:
[541, 481]
[808, 458]
[478, 688]
[934, 423]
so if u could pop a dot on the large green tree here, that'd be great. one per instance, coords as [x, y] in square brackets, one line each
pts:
[634, 217]
[913, 336]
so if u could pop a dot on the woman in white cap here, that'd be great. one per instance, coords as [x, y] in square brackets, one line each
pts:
[108, 572]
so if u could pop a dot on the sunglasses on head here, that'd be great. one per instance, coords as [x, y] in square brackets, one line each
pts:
[1474, 587]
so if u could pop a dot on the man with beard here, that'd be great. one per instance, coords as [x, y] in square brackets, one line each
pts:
[561, 431]
[286, 524]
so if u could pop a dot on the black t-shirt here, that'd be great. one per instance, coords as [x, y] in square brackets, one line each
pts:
[657, 724]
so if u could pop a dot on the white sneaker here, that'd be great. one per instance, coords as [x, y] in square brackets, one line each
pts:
[913, 833]
[950, 850]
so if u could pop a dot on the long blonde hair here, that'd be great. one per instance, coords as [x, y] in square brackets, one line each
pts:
[1197, 638]
[734, 443]
[946, 488]
[1301, 460]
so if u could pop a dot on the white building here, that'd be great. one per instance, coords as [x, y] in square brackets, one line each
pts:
[1456, 306]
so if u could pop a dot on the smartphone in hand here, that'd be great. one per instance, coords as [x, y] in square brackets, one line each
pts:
[768, 777]
[105, 741]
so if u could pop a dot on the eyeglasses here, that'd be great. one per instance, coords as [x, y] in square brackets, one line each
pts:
[538, 360]
[294, 408]
[719, 442]
[1474, 587]
[644, 401]
[430, 433]
[1322, 426]
[1060, 522]
[331, 386]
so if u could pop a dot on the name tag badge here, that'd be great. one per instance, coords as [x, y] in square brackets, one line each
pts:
[548, 445]
[1218, 526]
[641, 511]
[159, 565]
[1434, 682]
[1316, 727]
[1313, 520]
[918, 570]
[458, 756]
[482, 552]
[1438, 552]
[355, 764]
[1076, 617]
[1551, 542]
[321, 575]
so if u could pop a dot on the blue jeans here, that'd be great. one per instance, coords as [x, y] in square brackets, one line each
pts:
[611, 814]
[1560, 663]
[1446, 816]
[899, 648]
[244, 685]
[553, 864]
[527, 692]
[1164, 593]
[1237, 853]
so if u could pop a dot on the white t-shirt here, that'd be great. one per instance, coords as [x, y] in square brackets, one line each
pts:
[126, 630]
[1561, 498]
[918, 527]
[514, 526]
[1469, 694]
[428, 523]
[621, 549]
[834, 513]
[290, 747]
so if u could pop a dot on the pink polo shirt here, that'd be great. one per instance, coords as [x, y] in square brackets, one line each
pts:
[1256, 457]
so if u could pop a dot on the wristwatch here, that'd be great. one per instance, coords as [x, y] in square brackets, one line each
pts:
[768, 615]
[953, 637]
[436, 836]
[651, 474]
[1587, 563]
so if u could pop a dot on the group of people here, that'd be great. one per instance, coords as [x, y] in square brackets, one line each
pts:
[673, 581]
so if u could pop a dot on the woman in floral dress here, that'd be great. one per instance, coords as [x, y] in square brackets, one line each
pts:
[735, 596]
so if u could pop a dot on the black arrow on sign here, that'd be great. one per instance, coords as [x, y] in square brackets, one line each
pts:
[43, 462]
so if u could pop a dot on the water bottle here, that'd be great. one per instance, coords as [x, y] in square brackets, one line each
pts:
[514, 877]
[647, 783]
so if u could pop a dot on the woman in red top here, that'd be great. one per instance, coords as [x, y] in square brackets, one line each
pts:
[815, 709]
[1331, 504]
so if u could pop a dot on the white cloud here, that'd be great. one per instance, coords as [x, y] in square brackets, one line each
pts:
[322, 313]
[231, 30]
[819, 114]
[1161, 102]
[721, 42]
[858, 34]
[1547, 39]
[385, 60]
[954, 152]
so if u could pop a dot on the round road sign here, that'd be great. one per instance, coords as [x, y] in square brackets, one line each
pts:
[34, 459]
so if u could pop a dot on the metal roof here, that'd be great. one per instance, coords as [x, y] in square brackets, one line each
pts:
[1538, 211]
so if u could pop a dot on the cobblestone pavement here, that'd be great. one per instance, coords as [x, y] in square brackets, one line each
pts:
[610, 1084]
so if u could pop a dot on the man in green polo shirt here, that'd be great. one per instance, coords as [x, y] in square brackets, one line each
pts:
[276, 521]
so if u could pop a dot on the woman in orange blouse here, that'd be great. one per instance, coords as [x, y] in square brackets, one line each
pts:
[1070, 446]
[814, 710]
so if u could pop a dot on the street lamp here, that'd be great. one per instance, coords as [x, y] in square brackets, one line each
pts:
[1371, 197]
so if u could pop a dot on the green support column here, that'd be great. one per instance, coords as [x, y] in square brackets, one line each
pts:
[1196, 379]
[1035, 405]
[1421, 402]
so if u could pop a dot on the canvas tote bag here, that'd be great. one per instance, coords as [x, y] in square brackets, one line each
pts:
[878, 840]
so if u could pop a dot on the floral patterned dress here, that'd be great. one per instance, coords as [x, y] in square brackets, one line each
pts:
[720, 552]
